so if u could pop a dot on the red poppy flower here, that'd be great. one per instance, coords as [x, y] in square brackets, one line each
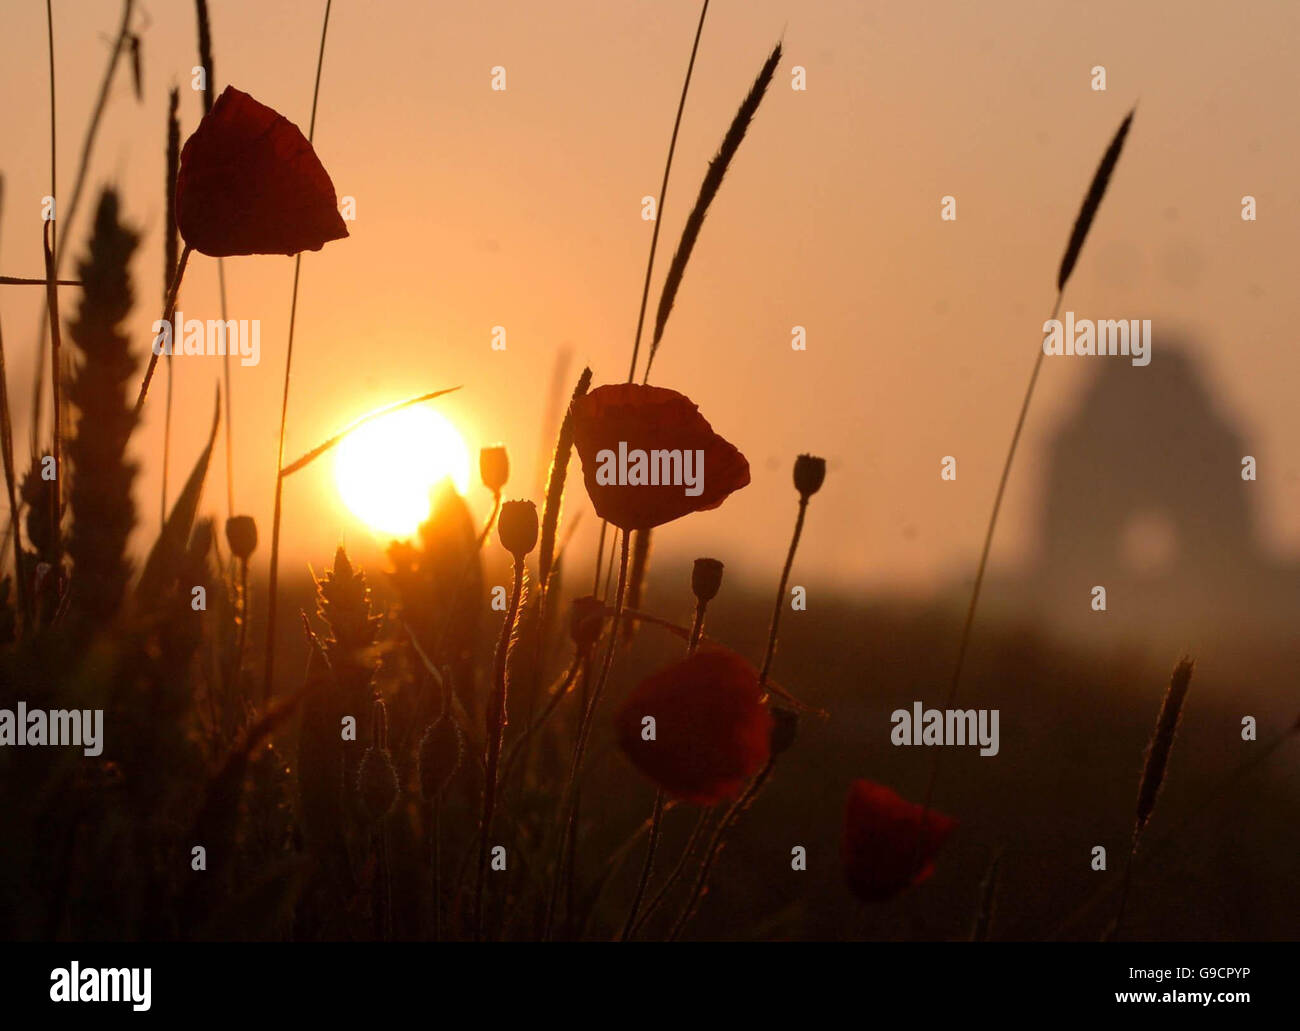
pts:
[250, 183]
[711, 728]
[879, 850]
[649, 456]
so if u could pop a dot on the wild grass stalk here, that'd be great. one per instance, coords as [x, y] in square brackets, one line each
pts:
[11, 473]
[650, 262]
[49, 241]
[518, 533]
[1153, 771]
[1171, 832]
[79, 182]
[103, 512]
[663, 194]
[169, 310]
[205, 60]
[708, 191]
[171, 254]
[268, 675]
[1078, 235]
[334, 441]
[555, 485]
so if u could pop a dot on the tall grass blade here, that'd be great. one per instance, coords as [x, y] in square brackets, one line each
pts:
[555, 484]
[268, 674]
[1162, 741]
[708, 190]
[171, 253]
[337, 439]
[169, 550]
[1093, 201]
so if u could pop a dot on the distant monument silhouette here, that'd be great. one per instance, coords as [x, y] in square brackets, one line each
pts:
[1144, 496]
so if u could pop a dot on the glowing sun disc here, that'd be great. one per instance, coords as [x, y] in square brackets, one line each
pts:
[386, 469]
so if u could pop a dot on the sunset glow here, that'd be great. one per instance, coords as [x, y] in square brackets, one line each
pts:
[385, 469]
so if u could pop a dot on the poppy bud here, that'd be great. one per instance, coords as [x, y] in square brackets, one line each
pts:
[785, 724]
[706, 578]
[241, 535]
[377, 783]
[809, 472]
[517, 528]
[494, 467]
[586, 619]
[440, 754]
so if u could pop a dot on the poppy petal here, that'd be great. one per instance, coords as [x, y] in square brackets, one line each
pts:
[652, 419]
[250, 183]
[712, 731]
[883, 849]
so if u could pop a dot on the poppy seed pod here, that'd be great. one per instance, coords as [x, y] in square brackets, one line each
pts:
[494, 467]
[586, 619]
[241, 535]
[439, 759]
[377, 783]
[809, 472]
[517, 528]
[706, 578]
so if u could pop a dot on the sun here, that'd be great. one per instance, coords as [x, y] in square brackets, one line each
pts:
[386, 469]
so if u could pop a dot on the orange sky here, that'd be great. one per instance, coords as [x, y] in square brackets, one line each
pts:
[522, 209]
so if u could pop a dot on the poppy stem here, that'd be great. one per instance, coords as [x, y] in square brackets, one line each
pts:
[656, 820]
[657, 814]
[495, 730]
[715, 845]
[558, 695]
[697, 626]
[437, 867]
[568, 805]
[600, 554]
[780, 592]
[243, 616]
[677, 871]
[169, 310]
[70, 209]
